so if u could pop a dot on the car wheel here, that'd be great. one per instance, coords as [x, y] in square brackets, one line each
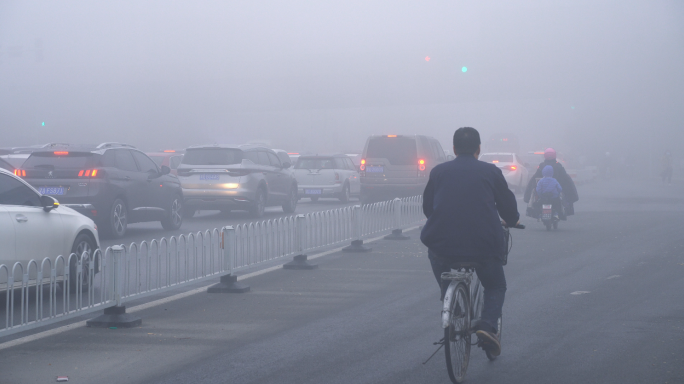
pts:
[314, 199]
[174, 220]
[344, 197]
[188, 212]
[291, 203]
[118, 219]
[83, 243]
[257, 209]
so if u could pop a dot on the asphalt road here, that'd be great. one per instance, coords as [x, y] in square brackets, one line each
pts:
[601, 300]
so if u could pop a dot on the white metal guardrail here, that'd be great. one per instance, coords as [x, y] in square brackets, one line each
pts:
[38, 294]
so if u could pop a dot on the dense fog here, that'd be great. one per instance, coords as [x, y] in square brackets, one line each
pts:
[585, 77]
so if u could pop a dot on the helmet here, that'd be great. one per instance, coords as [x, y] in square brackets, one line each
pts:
[550, 154]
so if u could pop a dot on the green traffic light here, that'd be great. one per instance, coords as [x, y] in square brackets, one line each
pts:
[43, 124]
[464, 69]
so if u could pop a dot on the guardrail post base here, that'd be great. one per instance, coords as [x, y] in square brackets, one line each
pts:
[228, 284]
[356, 246]
[396, 235]
[115, 316]
[299, 262]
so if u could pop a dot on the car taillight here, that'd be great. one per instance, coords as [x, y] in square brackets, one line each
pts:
[421, 164]
[20, 172]
[510, 167]
[363, 165]
[337, 178]
[89, 172]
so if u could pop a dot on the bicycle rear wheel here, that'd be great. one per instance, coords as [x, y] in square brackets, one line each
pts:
[457, 336]
[498, 336]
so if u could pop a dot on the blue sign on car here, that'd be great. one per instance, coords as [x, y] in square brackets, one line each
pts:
[209, 176]
[375, 168]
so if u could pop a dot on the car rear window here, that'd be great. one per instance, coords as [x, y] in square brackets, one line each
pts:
[397, 150]
[212, 156]
[80, 160]
[496, 158]
[315, 163]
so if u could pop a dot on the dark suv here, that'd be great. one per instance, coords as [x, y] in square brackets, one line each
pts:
[397, 165]
[114, 184]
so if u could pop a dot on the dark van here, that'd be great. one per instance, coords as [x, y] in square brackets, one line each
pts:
[397, 165]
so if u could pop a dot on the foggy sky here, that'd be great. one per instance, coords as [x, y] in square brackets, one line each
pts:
[583, 76]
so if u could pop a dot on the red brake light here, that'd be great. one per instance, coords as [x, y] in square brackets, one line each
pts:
[495, 161]
[87, 173]
[421, 164]
[391, 135]
[363, 165]
[513, 167]
[169, 151]
[20, 172]
[61, 153]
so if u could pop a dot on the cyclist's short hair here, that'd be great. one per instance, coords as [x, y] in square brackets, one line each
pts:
[466, 140]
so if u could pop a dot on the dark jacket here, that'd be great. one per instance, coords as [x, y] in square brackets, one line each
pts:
[565, 181]
[462, 202]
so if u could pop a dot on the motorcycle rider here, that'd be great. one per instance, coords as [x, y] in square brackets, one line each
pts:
[569, 190]
[549, 189]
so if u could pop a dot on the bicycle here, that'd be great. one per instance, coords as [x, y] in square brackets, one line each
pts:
[461, 312]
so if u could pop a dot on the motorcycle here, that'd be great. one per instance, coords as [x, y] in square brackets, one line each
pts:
[542, 209]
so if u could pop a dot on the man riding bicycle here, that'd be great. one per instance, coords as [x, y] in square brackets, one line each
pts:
[463, 201]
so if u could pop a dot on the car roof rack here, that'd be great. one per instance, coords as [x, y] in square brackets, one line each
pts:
[113, 145]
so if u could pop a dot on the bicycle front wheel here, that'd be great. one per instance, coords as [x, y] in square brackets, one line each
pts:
[457, 335]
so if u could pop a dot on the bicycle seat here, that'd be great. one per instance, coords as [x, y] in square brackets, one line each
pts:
[464, 265]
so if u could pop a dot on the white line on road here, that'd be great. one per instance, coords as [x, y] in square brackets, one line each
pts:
[68, 327]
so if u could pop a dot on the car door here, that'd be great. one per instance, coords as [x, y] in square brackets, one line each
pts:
[274, 194]
[38, 234]
[354, 178]
[154, 198]
[7, 249]
[283, 177]
[125, 177]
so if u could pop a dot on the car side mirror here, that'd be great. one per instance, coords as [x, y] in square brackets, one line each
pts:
[49, 203]
[165, 170]
[286, 165]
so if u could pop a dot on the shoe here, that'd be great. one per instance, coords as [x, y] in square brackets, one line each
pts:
[489, 342]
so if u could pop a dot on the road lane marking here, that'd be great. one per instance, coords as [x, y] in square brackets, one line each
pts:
[68, 327]
[612, 277]
[579, 292]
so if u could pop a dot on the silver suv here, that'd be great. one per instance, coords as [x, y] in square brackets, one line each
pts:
[230, 178]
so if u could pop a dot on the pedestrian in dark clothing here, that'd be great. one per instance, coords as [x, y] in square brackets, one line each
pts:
[463, 200]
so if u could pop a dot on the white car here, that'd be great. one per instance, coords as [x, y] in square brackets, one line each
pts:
[327, 176]
[35, 226]
[513, 168]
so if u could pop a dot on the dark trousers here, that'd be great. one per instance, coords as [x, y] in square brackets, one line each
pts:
[491, 275]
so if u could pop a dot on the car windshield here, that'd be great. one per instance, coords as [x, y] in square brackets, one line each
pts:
[397, 150]
[65, 160]
[212, 156]
[157, 159]
[315, 163]
[496, 158]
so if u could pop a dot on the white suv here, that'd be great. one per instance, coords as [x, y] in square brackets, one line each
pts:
[34, 226]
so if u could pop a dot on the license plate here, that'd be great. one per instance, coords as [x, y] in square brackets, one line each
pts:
[209, 176]
[546, 206]
[313, 191]
[52, 190]
[375, 168]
